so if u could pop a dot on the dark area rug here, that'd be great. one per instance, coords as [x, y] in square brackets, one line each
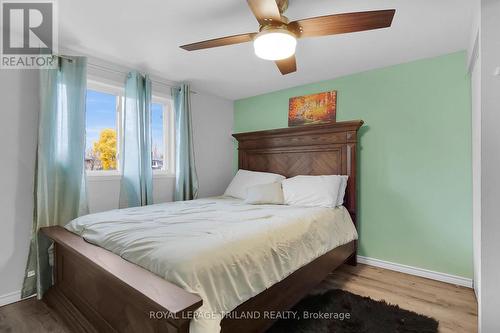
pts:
[338, 311]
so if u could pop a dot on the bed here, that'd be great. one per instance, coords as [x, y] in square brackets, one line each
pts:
[112, 282]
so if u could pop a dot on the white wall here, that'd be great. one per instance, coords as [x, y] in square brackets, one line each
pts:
[474, 56]
[212, 122]
[490, 167]
[212, 128]
[476, 172]
[103, 193]
[18, 130]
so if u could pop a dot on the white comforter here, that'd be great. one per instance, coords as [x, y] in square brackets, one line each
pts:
[219, 248]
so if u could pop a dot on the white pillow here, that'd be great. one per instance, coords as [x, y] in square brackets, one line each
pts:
[312, 191]
[270, 194]
[342, 187]
[245, 179]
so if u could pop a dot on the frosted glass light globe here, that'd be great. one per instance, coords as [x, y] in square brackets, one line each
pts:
[275, 44]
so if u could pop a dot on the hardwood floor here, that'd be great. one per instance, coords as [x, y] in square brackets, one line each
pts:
[454, 307]
[30, 316]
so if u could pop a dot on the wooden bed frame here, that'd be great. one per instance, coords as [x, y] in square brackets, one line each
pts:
[98, 291]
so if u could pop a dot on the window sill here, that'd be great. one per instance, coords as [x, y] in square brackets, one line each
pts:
[160, 175]
[96, 177]
[116, 177]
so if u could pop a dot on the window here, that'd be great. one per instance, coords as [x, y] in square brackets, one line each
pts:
[104, 110]
[101, 148]
[162, 136]
[158, 137]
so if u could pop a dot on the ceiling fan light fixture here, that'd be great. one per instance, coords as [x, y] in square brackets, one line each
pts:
[275, 44]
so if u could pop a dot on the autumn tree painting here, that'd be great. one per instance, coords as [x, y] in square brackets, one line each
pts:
[312, 109]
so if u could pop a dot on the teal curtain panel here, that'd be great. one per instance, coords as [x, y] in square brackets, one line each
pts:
[59, 187]
[186, 179]
[135, 156]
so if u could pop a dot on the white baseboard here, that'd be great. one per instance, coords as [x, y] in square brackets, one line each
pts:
[443, 277]
[10, 298]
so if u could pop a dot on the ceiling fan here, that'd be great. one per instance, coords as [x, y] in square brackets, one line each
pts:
[277, 37]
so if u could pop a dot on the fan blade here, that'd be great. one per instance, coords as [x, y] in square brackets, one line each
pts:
[229, 40]
[343, 23]
[265, 10]
[287, 66]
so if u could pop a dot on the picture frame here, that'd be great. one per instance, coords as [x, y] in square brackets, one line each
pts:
[312, 109]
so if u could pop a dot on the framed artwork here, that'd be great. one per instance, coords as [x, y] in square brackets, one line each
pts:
[312, 109]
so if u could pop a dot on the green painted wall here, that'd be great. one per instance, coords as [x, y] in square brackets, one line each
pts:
[415, 183]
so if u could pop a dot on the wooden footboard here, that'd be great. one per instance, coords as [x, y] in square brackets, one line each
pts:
[97, 291]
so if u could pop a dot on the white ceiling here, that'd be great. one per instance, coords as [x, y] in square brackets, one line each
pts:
[146, 35]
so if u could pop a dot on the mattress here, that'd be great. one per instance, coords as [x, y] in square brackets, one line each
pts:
[220, 248]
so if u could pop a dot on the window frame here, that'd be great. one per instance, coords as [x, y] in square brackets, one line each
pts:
[119, 93]
[168, 137]
[168, 133]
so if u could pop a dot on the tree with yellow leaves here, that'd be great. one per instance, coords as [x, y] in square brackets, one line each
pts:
[105, 148]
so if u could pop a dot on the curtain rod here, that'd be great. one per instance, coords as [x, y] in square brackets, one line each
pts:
[110, 70]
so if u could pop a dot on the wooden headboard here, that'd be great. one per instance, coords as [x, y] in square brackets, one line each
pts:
[328, 149]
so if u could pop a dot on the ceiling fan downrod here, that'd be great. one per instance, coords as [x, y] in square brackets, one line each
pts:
[282, 5]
